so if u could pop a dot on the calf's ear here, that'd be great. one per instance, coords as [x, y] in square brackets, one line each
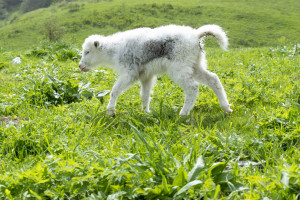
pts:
[97, 44]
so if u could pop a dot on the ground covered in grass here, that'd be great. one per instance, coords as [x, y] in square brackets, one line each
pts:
[58, 143]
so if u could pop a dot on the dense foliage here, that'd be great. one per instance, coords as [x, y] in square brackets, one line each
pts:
[57, 142]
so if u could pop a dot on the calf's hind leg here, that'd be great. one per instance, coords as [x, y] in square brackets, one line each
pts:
[212, 80]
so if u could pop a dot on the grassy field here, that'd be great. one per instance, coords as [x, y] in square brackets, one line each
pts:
[58, 143]
[248, 23]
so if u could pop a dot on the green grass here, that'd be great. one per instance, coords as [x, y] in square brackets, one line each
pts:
[248, 23]
[57, 142]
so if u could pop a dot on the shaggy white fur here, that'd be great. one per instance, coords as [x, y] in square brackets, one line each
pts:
[142, 53]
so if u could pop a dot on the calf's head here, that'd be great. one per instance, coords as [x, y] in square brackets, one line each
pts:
[91, 53]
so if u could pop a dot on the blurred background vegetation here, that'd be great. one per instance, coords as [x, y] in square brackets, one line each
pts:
[255, 23]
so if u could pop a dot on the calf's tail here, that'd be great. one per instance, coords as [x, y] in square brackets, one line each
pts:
[215, 31]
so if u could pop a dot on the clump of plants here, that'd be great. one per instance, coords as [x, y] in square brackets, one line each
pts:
[57, 51]
[53, 31]
[52, 91]
[284, 50]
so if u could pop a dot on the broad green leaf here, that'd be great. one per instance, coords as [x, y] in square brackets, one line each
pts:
[217, 168]
[84, 86]
[187, 187]
[181, 178]
[233, 187]
[223, 178]
[198, 167]
[165, 185]
[102, 94]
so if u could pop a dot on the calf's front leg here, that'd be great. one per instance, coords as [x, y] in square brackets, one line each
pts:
[122, 84]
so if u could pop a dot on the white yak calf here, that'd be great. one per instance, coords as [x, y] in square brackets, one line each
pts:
[142, 53]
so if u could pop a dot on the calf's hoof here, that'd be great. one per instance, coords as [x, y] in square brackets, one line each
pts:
[111, 112]
[227, 109]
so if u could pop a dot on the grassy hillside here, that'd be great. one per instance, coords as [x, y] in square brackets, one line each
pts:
[249, 23]
[58, 143]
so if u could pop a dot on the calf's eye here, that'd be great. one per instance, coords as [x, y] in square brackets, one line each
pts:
[86, 52]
